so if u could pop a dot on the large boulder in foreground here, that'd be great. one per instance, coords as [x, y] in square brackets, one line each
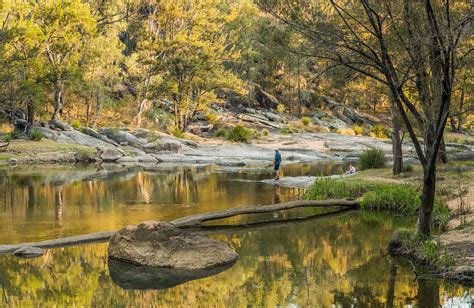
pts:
[161, 244]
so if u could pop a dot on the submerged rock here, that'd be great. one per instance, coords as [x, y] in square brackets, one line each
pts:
[28, 252]
[160, 244]
[137, 277]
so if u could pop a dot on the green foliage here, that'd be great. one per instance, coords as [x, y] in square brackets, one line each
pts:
[380, 131]
[306, 121]
[211, 118]
[178, 133]
[265, 132]
[327, 188]
[407, 168]
[221, 132]
[372, 158]
[428, 250]
[36, 135]
[185, 64]
[76, 124]
[358, 130]
[7, 137]
[395, 198]
[14, 134]
[240, 133]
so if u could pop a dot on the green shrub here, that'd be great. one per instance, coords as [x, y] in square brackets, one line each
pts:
[14, 134]
[240, 134]
[256, 134]
[221, 132]
[265, 132]
[36, 135]
[178, 133]
[358, 130]
[327, 188]
[306, 121]
[428, 250]
[211, 118]
[372, 158]
[441, 214]
[380, 131]
[402, 199]
[287, 130]
[7, 137]
[394, 198]
[76, 124]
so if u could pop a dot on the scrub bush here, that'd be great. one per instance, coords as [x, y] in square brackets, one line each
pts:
[240, 134]
[372, 158]
[76, 124]
[221, 133]
[380, 131]
[306, 121]
[36, 135]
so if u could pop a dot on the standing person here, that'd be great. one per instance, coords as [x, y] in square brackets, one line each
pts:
[276, 164]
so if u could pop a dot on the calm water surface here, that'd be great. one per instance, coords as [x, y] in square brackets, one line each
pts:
[330, 259]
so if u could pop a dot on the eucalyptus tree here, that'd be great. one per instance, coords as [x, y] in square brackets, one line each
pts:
[183, 46]
[66, 27]
[404, 45]
[21, 60]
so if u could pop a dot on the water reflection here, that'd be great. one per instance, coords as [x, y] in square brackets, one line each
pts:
[61, 201]
[134, 277]
[331, 259]
[336, 261]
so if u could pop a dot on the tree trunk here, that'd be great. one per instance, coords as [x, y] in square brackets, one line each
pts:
[88, 112]
[453, 124]
[31, 116]
[461, 106]
[427, 201]
[396, 144]
[97, 108]
[141, 107]
[442, 154]
[299, 88]
[428, 293]
[391, 283]
[58, 96]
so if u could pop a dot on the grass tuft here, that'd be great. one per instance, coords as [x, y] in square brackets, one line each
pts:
[372, 158]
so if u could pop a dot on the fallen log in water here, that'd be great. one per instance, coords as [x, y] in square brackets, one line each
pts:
[200, 218]
[268, 224]
[187, 221]
[60, 242]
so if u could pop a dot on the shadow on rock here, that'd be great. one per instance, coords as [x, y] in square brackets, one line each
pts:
[138, 277]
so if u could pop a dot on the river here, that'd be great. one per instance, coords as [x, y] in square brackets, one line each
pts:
[328, 259]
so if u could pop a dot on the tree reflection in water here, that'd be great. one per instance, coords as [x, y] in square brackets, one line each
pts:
[337, 259]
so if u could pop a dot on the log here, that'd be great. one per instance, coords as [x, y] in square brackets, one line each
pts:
[197, 219]
[268, 224]
[61, 242]
[188, 221]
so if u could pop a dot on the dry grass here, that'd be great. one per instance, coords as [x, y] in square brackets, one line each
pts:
[29, 147]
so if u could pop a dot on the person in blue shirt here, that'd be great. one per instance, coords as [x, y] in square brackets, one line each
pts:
[276, 164]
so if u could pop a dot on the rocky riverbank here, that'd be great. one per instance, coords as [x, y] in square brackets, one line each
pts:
[141, 146]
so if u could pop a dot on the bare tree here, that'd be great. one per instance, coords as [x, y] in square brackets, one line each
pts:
[411, 47]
